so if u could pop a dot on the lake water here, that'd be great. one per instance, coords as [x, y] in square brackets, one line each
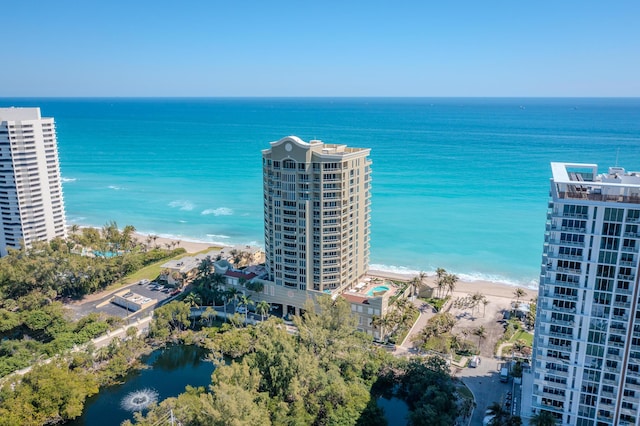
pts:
[170, 370]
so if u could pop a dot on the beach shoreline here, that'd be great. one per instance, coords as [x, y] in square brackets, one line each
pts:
[464, 286]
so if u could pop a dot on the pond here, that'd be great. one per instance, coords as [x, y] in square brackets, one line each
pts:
[396, 411]
[170, 370]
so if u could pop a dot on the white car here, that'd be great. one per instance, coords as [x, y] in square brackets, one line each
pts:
[241, 310]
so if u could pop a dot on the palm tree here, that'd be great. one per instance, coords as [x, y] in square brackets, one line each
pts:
[417, 283]
[262, 307]
[481, 332]
[518, 293]
[450, 281]
[218, 280]
[542, 418]
[127, 237]
[476, 299]
[440, 282]
[232, 294]
[193, 300]
[485, 302]
[500, 414]
[245, 301]
[204, 268]
[455, 343]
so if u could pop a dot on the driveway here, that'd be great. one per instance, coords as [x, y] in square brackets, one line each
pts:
[484, 382]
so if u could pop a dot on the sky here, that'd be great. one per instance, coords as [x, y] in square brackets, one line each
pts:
[119, 48]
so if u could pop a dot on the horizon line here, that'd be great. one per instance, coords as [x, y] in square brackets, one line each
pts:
[319, 97]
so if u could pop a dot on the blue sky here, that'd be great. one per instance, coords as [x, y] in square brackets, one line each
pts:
[320, 48]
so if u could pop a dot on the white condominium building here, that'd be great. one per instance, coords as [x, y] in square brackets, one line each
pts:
[31, 205]
[586, 360]
[316, 214]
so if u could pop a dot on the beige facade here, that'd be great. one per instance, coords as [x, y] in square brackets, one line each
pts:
[316, 215]
[31, 203]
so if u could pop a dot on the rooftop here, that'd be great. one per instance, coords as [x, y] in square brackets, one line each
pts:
[17, 114]
[582, 181]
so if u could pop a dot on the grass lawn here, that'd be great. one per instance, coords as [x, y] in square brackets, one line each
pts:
[523, 335]
[151, 272]
[464, 391]
[403, 334]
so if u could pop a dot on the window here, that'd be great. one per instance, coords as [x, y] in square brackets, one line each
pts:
[613, 215]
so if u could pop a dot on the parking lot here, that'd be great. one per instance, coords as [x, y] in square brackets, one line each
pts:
[103, 305]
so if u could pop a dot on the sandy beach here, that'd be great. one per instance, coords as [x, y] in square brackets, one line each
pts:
[189, 246]
[463, 288]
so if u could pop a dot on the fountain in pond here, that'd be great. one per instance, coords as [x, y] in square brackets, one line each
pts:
[139, 400]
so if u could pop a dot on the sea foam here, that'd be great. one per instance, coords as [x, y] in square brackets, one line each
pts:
[182, 205]
[220, 211]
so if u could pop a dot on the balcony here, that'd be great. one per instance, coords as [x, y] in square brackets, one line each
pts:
[550, 295]
[566, 243]
[629, 249]
[568, 270]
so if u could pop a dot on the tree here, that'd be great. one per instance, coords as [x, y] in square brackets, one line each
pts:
[450, 282]
[263, 307]
[542, 418]
[245, 301]
[485, 302]
[518, 293]
[441, 273]
[209, 315]
[168, 318]
[193, 300]
[417, 283]
[476, 299]
[127, 237]
[233, 293]
[481, 332]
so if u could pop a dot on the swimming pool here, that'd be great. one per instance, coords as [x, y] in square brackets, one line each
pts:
[378, 289]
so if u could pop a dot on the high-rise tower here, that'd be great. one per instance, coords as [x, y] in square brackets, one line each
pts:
[316, 214]
[586, 360]
[31, 205]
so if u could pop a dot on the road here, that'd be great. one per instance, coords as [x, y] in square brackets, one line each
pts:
[484, 382]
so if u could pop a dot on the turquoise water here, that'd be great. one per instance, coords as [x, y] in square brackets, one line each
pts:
[457, 183]
[377, 289]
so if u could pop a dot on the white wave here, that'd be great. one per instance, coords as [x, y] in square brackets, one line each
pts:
[182, 221]
[394, 269]
[66, 180]
[71, 219]
[220, 211]
[410, 273]
[115, 187]
[218, 236]
[182, 204]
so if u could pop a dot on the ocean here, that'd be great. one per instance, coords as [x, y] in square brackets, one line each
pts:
[457, 183]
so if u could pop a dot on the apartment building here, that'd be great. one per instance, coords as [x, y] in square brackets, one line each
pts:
[316, 217]
[586, 360]
[31, 203]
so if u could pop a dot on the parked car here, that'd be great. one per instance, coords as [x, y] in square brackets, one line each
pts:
[475, 361]
[241, 310]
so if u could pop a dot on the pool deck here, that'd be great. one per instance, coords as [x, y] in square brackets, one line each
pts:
[363, 288]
